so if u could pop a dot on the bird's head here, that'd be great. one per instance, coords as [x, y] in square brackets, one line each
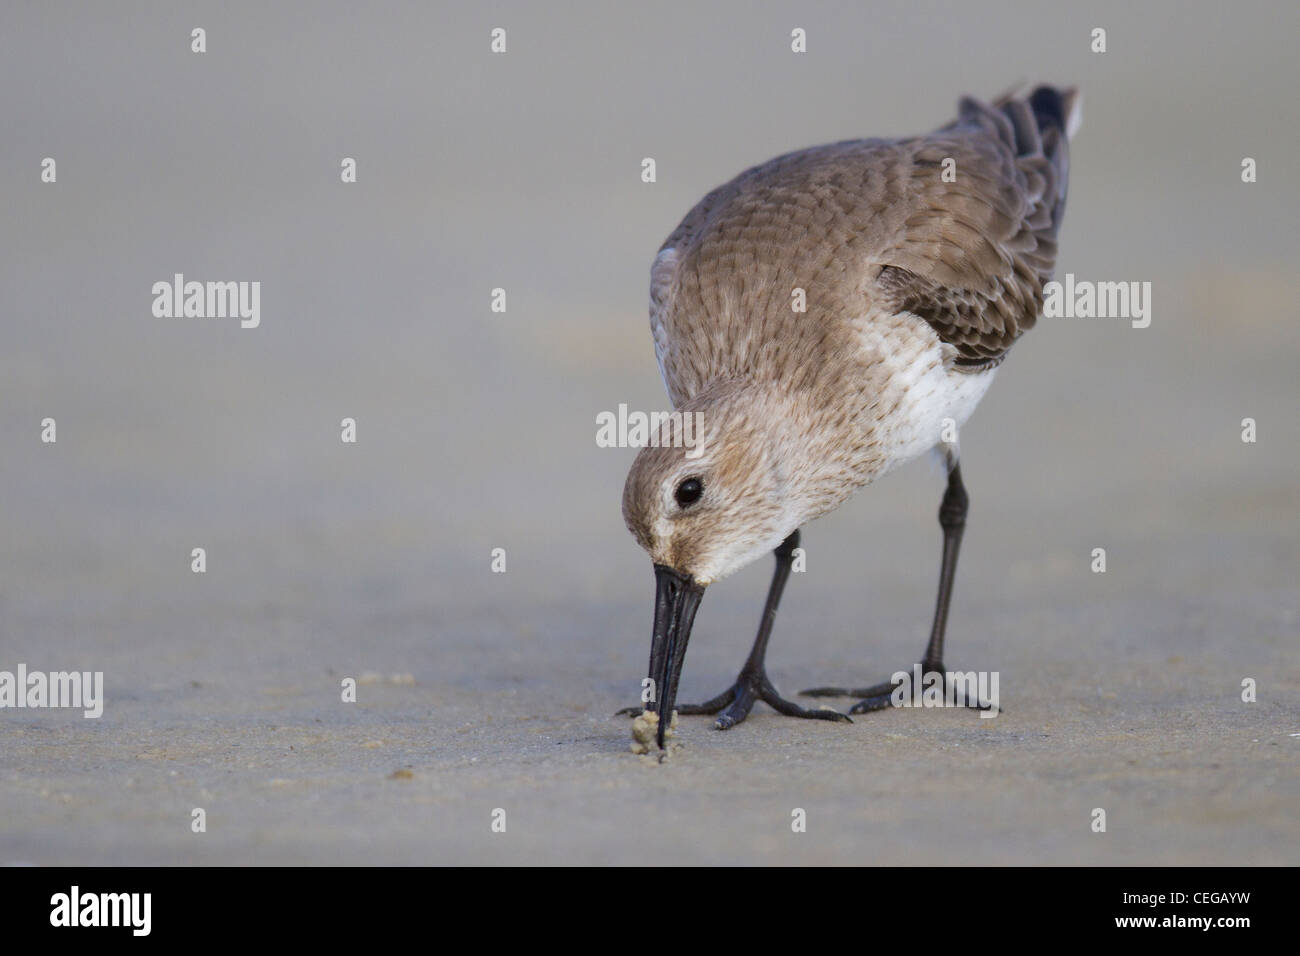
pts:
[709, 509]
[702, 510]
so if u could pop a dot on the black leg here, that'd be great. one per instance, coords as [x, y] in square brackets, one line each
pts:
[952, 519]
[734, 704]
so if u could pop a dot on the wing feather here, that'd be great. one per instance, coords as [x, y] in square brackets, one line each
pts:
[872, 220]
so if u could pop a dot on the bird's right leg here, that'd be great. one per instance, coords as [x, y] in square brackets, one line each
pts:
[952, 519]
[734, 704]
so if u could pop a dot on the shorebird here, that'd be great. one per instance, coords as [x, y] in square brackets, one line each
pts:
[832, 314]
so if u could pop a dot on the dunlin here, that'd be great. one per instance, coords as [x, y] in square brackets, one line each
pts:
[832, 314]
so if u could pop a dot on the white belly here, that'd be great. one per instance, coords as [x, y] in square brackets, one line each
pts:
[922, 404]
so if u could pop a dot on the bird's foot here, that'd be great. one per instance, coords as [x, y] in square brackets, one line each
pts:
[901, 694]
[734, 704]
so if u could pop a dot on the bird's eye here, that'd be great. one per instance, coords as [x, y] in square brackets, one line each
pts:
[688, 492]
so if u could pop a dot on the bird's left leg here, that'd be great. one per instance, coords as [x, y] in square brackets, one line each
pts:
[734, 704]
[952, 519]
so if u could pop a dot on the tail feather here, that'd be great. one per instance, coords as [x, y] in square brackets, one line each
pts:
[1058, 114]
[1038, 129]
[1060, 108]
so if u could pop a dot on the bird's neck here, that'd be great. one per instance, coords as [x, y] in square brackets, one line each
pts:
[818, 455]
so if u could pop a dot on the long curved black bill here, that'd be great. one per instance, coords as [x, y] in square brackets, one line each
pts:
[677, 597]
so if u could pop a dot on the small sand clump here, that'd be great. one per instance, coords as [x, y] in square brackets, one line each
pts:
[645, 729]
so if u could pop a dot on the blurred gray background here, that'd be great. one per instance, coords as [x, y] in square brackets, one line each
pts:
[477, 431]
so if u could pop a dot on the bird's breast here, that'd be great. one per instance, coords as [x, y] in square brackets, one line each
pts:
[912, 397]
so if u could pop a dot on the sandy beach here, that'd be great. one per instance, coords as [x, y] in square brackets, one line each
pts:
[480, 691]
